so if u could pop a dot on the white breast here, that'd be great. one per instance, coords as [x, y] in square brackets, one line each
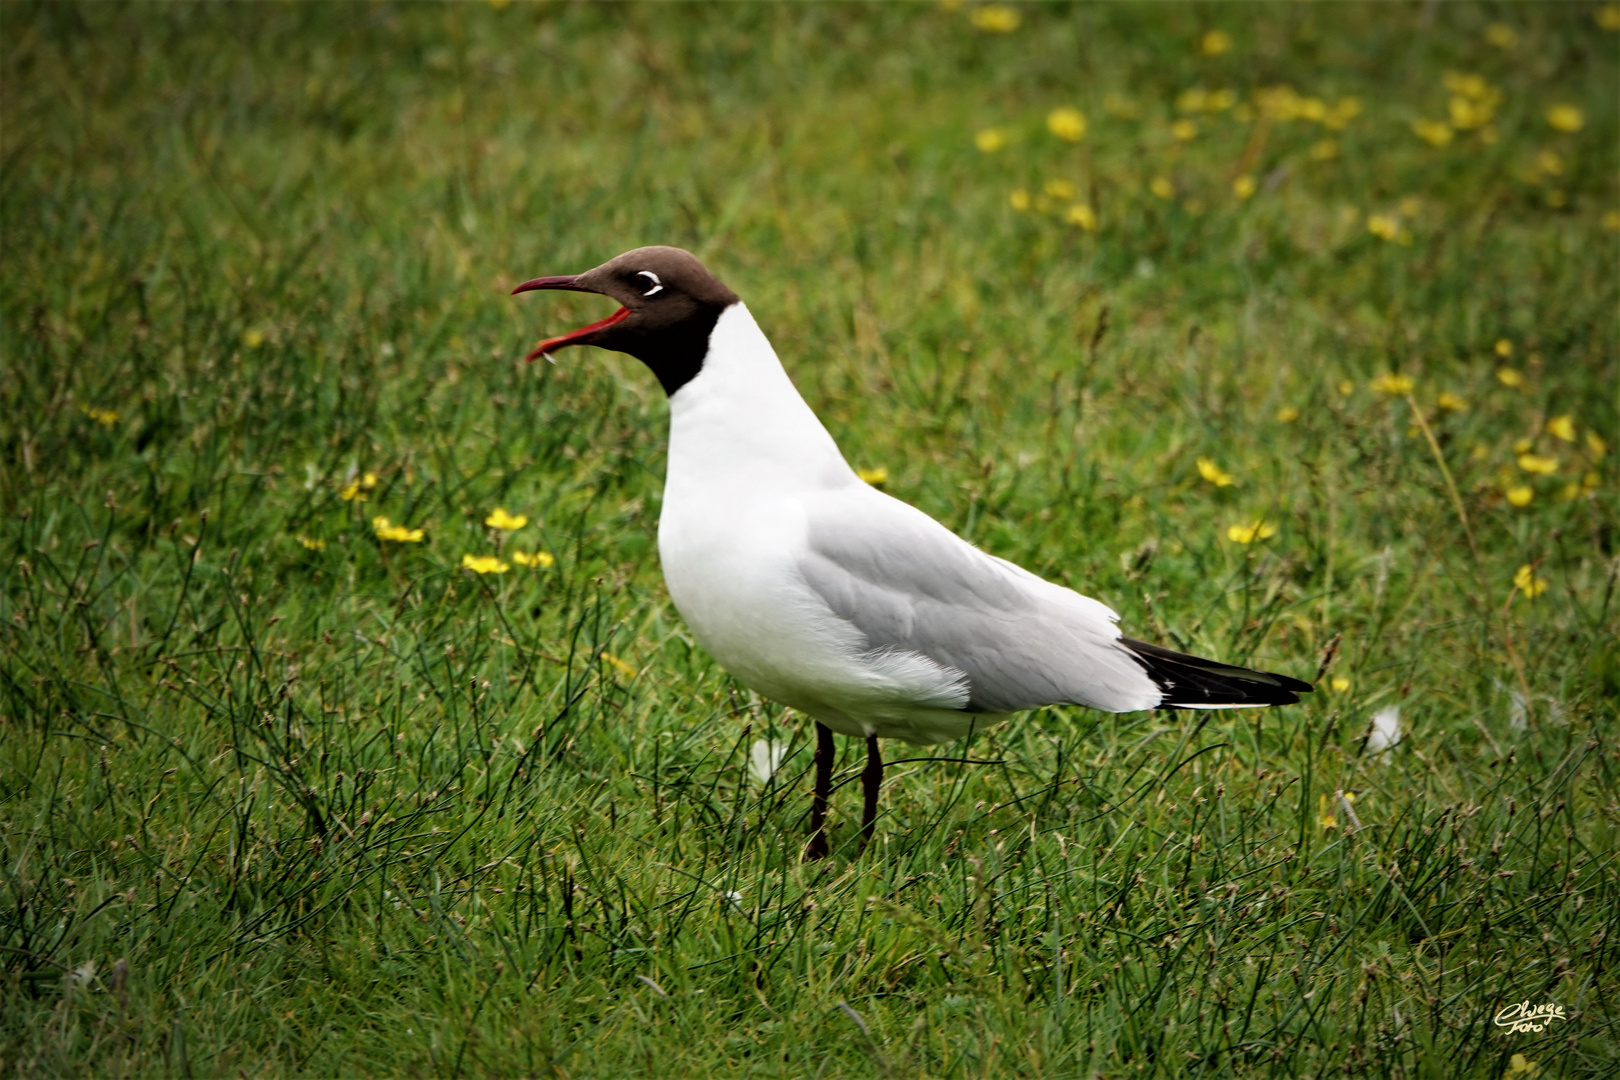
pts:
[744, 451]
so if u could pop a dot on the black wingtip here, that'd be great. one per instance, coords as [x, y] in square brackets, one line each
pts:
[1192, 682]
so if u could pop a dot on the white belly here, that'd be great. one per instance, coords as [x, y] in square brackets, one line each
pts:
[734, 580]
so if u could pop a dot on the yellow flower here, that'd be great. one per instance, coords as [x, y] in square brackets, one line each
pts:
[1550, 163]
[1595, 443]
[1520, 495]
[1066, 123]
[1082, 215]
[1501, 35]
[1566, 118]
[1195, 99]
[1522, 446]
[1279, 102]
[1473, 101]
[1562, 427]
[1287, 414]
[1327, 804]
[877, 476]
[385, 530]
[995, 19]
[1526, 582]
[1059, 189]
[1343, 111]
[1244, 186]
[357, 489]
[1220, 100]
[1451, 402]
[500, 519]
[1608, 17]
[1433, 132]
[483, 564]
[1313, 109]
[1121, 106]
[1161, 187]
[1214, 473]
[1346, 387]
[540, 560]
[1324, 150]
[1611, 220]
[1466, 115]
[1324, 814]
[1248, 534]
[252, 338]
[1184, 129]
[1519, 1068]
[1504, 348]
[104, 417]
[1383, 226]
[1339, 684]
[1019, 199]
[624, 669]
[1392, 384]
[1541, 466]
[1215, 42]
[1470, 86]
[990, 140]
[312, 544]
[1509, 378]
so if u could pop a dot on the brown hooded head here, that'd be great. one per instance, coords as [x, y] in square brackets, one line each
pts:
[670, 305]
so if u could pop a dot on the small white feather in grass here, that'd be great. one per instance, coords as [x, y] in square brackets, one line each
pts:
[1386, 730]
[764, 758]
[1518, 712]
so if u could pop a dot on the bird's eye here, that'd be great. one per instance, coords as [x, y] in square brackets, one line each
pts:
[648, 283]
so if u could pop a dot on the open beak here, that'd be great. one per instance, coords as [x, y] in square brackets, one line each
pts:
[585, 335]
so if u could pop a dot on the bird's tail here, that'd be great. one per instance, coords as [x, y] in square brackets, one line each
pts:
[1190, 682]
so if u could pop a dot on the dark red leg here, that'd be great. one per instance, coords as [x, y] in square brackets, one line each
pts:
[871, 780]
[825, 750]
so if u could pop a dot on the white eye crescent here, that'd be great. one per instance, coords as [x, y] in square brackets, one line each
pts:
[654, 286]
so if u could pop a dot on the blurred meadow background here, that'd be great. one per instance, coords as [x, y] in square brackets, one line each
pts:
[346, 727]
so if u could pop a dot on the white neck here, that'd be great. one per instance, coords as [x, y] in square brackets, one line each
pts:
[741, 421]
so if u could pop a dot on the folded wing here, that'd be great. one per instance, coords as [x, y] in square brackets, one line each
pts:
[911, 586]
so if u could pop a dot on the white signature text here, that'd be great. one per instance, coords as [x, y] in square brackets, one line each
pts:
[1527, 1017]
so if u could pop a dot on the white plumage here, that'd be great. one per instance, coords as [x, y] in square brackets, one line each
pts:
[823, 593]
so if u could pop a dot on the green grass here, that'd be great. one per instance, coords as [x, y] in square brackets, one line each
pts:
[344, 808]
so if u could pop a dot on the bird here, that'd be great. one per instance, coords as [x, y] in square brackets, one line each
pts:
[823, 593]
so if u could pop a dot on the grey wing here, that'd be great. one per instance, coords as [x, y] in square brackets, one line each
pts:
[910, 585]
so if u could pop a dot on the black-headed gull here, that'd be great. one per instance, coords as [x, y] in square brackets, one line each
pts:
[821, 592]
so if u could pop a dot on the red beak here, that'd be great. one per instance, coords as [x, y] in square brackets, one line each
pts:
[585, 334]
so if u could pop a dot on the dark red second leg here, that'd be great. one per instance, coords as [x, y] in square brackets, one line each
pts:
[825, 750]
[871, 781]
